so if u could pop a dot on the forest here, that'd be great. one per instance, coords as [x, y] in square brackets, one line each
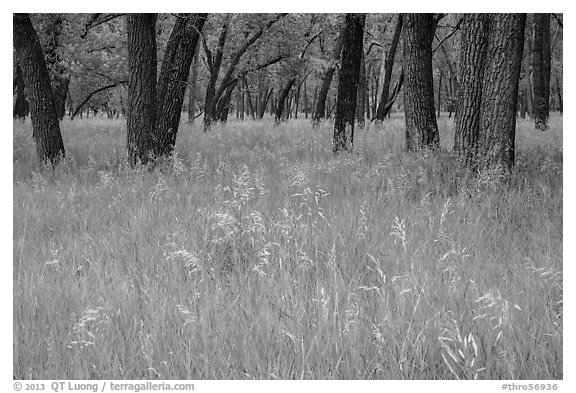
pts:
[288, 196]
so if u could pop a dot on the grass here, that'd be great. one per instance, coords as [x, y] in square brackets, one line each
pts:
[254, 253]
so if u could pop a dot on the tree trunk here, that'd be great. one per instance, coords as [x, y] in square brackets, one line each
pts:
[193, 89]
[491, 57]
[214, 63]
[320, 101]
[249, 99]
[172, 80]
[559, 93]
[141, 122]
[388, 67]
[541, 58]
[421, 127]
[223, 107]
[45, 126]
[282, 100]
[305, 101]
[60, 80]
[21, 103]
[348, 82]
[473, 49]
[439, 93]
[361, 98]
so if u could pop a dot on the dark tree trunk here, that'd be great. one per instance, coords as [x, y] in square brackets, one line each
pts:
[491, 57]
[527, 65]
[141, 122]
[21, 103]
[249, 99]
[421, 127]
[60, 80]
[305, 101]
[439, 93]
[523, 107]
[361, 98]
[297, 101]
[241, 104]
[192, 92]
[314, 99]
[214, 63]
[223, 107]
[173, 77]
[281, 101]
[320, 101]
[348, 82]
[473, 50]
[541, 58]
[453, 83]
[559, 93]
[388, 67]
[45, 126]
[500, 90]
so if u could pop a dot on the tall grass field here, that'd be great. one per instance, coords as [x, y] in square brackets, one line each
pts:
[255, 253]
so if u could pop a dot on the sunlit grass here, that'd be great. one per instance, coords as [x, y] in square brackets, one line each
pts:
[256, 253]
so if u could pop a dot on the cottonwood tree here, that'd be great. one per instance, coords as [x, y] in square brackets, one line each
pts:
[384, 105]
[490, 60]
[421, 126]
[20, 103]
[171, 86]
[45, 126]
[214, 58]
[541, 61]
[348, 82]
[141, 122]
[320, 109]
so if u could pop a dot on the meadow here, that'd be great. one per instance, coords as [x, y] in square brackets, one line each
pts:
[255, 253]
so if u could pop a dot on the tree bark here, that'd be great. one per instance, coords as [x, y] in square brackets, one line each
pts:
[172, 80]
[541, 59]
[45, 126]
[388, 67]
[491, 57]
[249, 99]
[559, 94]
[348, 82]
[21, 104]
[361, 98]
[57, 71]
[439, 93]
[214, 64]
[320, 101]
[421, 126]
[192, 92]
[223, 107]
[281, 101]
[141, 122]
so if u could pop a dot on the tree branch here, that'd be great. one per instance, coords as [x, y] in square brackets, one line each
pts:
[454, 30]
[89, 96]
[97, 20]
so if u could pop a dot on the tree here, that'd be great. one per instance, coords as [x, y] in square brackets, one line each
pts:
[20, 104]
[173, 77]
[320, 109]
[541, 58]
[60, 78]
[491, 56]
[421, 127]
[388, 66]
[141, 124]
[348, 82]
[45, 126]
